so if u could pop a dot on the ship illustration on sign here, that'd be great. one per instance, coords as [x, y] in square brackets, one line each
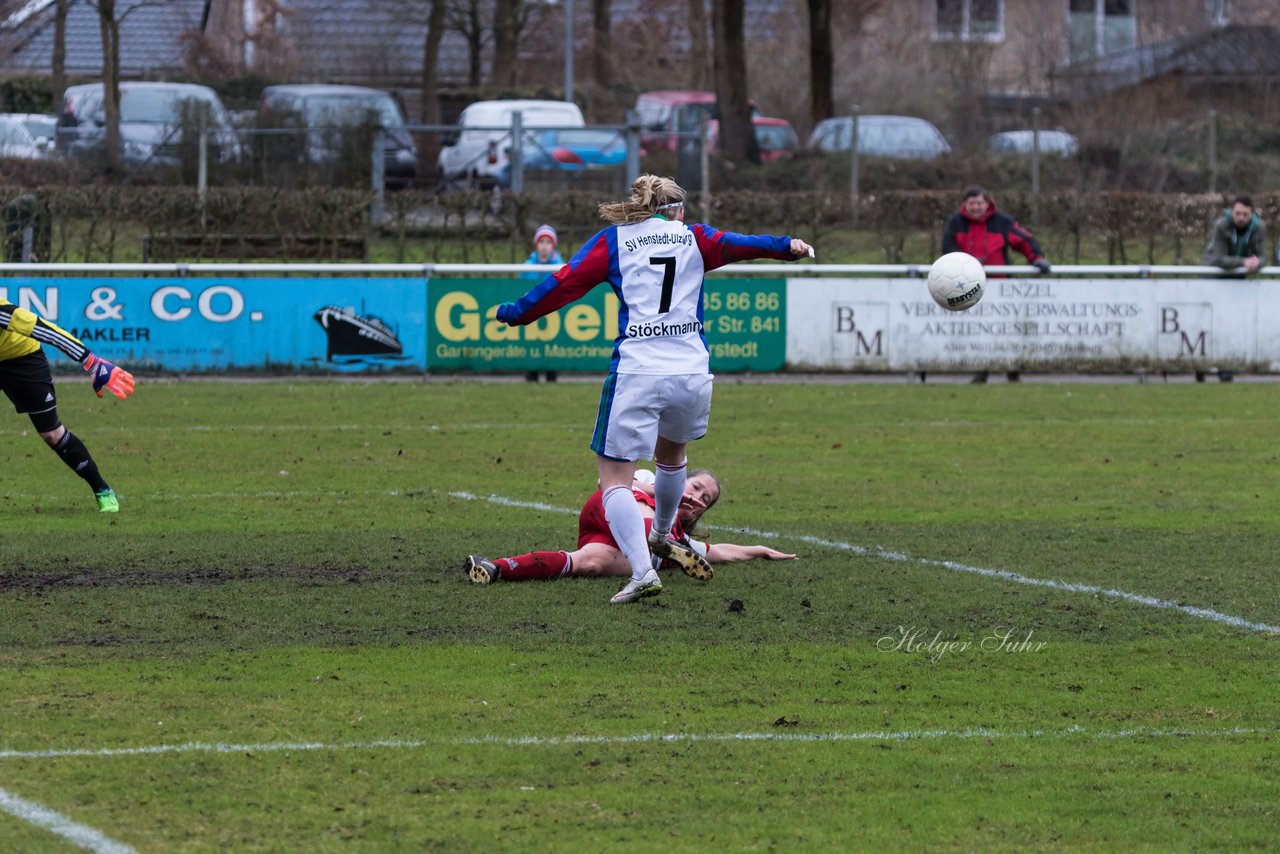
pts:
[352, 334]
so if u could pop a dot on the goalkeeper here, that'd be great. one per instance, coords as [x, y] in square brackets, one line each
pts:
[27, 382]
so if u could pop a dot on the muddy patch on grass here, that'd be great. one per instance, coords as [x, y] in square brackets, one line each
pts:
[306, 576]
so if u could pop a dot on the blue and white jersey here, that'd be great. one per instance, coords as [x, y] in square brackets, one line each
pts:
[656, 268]
[660, 291]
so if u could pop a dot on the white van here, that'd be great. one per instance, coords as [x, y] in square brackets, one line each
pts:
[478, 150]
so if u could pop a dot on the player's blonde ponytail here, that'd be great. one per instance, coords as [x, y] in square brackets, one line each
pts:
[648, 194]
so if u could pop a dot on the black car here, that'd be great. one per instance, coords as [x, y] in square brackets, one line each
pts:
[326, 124]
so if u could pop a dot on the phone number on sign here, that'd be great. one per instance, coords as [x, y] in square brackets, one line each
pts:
[741, 301]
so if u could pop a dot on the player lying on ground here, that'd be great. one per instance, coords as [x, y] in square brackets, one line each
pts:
[598, 553]
[26, 380]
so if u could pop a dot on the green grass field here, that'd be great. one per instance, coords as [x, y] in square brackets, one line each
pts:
[278, 611]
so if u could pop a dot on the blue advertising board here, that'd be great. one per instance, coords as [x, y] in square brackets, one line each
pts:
[202, 323]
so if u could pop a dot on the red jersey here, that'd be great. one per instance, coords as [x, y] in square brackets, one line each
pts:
[594, 528]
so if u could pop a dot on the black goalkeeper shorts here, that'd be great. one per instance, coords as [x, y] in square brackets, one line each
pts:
[27, 382]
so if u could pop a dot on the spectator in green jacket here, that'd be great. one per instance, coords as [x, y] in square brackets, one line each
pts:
[1236, 241]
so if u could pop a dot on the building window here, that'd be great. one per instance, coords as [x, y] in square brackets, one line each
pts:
[1100, 27]
[1216, 12]
[968, 20]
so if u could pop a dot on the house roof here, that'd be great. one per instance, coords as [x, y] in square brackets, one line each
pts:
[381, 40]
[357, 41]
[1227, 54]
[151, 37]
[367, 41]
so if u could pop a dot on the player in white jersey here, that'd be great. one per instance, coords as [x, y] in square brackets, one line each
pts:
[657, 397]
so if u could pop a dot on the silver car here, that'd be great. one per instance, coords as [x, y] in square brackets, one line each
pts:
[903, 137]
[152, 117]
[27, 136]
[1055, 142]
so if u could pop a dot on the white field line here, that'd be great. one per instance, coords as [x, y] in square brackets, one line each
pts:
[55, 822]
[640, 738]
[1001, 574]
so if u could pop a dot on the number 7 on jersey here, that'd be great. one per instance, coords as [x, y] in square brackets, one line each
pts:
[668, 281]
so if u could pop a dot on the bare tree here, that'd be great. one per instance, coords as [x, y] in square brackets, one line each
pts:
[820, 60]
[58, 74]
[506, 42]
[601, 56]
[109, 26]
[737, 135]
[467, 18]
[700, 76]
[429, 149]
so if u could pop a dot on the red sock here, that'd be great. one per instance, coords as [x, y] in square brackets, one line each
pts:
[534, 566]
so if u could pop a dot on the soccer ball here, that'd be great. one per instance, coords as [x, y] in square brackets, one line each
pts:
[956, 281]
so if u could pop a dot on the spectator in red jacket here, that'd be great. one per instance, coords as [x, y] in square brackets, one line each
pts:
[986, 234]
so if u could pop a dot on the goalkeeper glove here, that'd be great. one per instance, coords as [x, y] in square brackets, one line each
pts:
[116, 380]
[1042, 264]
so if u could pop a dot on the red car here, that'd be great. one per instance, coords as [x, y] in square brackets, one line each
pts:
[776, 137]
[668, 112]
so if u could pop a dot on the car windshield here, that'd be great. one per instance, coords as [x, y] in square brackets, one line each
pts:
[347, 110]
[689, 116]
[41, 128]
[156, 106]
[776, 138]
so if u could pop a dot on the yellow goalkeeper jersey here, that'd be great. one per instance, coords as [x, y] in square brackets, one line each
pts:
[22, 332]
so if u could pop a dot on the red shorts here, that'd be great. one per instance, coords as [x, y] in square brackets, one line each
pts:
[594, 528]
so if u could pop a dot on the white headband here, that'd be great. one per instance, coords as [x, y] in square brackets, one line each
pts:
[670, 205]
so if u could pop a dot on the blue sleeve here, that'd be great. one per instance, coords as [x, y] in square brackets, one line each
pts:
[719, 248]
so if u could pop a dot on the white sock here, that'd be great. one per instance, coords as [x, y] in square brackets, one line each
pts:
[627, 526]
[668, 489]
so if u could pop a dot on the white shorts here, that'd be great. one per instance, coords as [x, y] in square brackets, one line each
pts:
[635, 409]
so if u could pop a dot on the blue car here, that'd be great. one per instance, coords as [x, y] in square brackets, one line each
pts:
[568, 151]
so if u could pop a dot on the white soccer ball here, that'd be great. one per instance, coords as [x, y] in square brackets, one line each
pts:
[957, 281]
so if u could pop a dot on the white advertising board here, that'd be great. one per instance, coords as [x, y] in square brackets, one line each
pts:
[1046, 323]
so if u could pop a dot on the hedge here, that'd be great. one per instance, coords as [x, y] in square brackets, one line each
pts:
[94, 222]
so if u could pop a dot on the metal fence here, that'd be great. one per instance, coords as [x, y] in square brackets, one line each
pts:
[1204, 152]
[751, 268]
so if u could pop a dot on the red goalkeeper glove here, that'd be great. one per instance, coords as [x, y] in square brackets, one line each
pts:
[116, 380]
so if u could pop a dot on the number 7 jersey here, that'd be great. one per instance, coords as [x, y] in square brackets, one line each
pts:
[656, 268]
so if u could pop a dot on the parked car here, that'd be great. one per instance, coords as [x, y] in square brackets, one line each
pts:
[666, 113]
[568, 151]
[776, 137]
[326, 116]
[152, 121]
[27, 136]
[479, 150]
[1055, 142]
[904, 137]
